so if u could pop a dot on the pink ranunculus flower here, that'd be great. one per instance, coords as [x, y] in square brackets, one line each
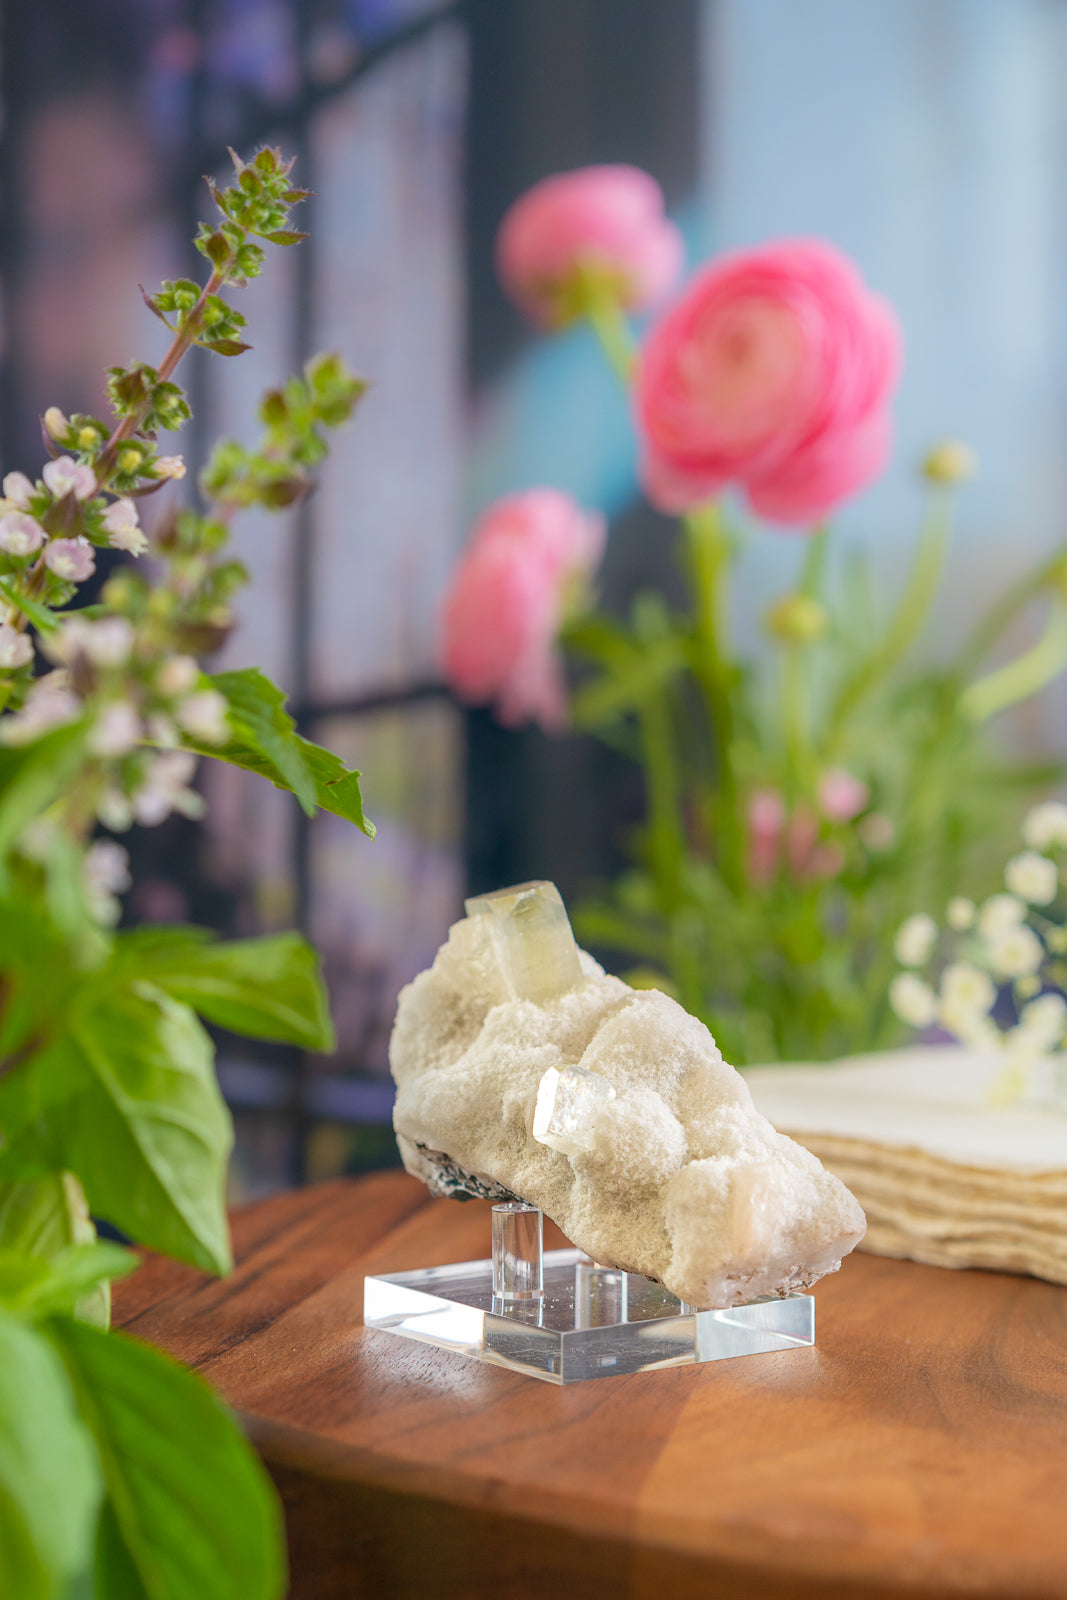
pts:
[772, 371]
[607, 220]
[507, 599]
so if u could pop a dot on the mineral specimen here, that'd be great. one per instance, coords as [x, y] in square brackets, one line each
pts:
[522, 1069]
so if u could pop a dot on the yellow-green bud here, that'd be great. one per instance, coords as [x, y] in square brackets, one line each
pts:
[949, 462]
[87, 437]
[797, 619]
[129, 460]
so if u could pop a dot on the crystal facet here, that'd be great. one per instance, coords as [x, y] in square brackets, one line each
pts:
[532, 940]
[567, 1103]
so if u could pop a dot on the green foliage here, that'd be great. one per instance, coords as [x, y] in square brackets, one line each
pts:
[189, 1509]
[121, 1475]
[49, 1481]
[790, 957]
[265, 741]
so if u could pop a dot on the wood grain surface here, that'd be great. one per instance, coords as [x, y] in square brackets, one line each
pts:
[919, 1450]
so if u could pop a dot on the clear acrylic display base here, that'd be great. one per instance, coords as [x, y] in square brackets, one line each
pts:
[560, 1317]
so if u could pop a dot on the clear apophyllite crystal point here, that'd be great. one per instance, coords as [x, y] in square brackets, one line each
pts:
[567, 1104]
[532, 939]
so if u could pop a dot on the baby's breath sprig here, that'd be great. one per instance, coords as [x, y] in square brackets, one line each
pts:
[1001, 988]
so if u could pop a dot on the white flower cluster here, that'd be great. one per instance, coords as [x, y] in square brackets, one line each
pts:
[1013, 939]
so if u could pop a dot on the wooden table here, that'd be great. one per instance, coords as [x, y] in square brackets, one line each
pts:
[920, 1449]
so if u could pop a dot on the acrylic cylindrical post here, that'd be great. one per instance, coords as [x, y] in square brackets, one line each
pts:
[518, 1273]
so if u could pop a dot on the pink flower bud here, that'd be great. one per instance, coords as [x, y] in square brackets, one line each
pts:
[20, 535]
[117, 731]
[65, 476]
[772, 371]
[766, 820]
[507, 600]
[16, 649]
[607, 221]
[841, 796]
[168, 467]
[18, 489]
[70, 559]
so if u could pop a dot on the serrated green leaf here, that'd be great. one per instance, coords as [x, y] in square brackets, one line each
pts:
[193, 1508]
[270, 746]
[50, 1484]
[268, 988]
[261, 724]
[43, 618]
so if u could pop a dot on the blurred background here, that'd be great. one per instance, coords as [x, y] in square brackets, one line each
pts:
[927, 138]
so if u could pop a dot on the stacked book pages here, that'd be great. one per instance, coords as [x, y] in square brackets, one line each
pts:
[945, 1174]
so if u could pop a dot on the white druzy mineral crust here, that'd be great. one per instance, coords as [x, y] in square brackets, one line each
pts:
[523, 1070]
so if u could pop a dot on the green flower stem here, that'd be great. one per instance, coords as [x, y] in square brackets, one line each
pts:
[811, 576]
[1023, 676]
[708, 548]
[607, 321]
[666, 837]
[795, 721]
[1004, 612]
[36, 578]
[906, 621]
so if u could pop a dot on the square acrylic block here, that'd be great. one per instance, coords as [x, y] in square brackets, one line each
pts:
[585, 1321]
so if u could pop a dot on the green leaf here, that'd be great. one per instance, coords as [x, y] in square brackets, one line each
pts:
[285, 236]
[49, 1478]
[224, 347]
[127, 1099]
[33, 775]
[267, 988]
[260, 723]
[44, 620]
[265, 741]
[194, 1511]
[36, 1287]
[46, 1217]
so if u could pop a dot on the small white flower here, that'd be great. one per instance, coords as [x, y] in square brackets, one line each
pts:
[912, 1000]
[71, 559]
[57, 425]
[16, 649]
[960, 913]
[1044, 1021]
[1032, 877]
[968, 1025]
[166, 789]
[115, 810]
[915, 940]
[168, 467]
[998, 912]
[1045, 825]
[18, 489]
[123, 528]
[177, 676]
[20, 535]
[117, 731]
[65, 476]
[106, 868]
[204, 716]
[967, 987]
[106, 643]
[1016, 951]
[162, 731]
[49, 704]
